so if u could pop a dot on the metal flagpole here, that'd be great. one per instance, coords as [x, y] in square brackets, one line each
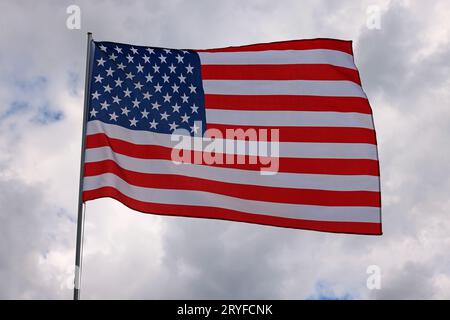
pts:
[80, 225]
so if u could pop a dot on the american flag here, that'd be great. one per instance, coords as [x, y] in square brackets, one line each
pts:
[307, 158]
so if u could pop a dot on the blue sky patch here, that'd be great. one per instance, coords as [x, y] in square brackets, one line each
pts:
[46, 115]
[324, 291]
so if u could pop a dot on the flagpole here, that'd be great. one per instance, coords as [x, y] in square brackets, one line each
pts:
[80, 225]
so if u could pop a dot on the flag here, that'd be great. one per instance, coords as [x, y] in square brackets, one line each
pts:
[277, 134]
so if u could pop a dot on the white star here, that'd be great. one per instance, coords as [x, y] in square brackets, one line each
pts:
[136, 103]
[165, 77]
[109, 72]
[158, 87]
[125, 111]
[127, 92]
[95, 95]
[105, 105]
[176, 108]
[172, 68]
[182, 78]
[184, 51]
[184, 97]
[107, 88]
[179, 58]
[147, 95]
[193, 88]
[153, 124]
[118, 82]
[155, 68]
[189, 68]
[138, 85]
[164, 116]
[167, 97]
[194, 128]
[129, 58]
[130, 75]
[146, 58]
[194, 108]
[162, 58]
[140, 68]
[173, 126]
[145, 113]
[156, 105]
[167, 51]
[121, 66]
[175, 87]
[116, 99]
[101, 62]
[98, 78]
[150, 51]
[93, 113]
[133, 122]
[113, 56]
[113, 116]
[119, 50]
[185, 118]
[135, 51]
[149, 77]
[103, 48]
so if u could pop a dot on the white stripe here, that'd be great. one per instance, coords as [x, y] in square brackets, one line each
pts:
[333, 88]
[289, 118]
[286, 149]
[231, 175]
[315, 56]
[200, 198]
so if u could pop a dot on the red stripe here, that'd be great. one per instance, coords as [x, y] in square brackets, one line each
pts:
[279, 72]
[250, 192]
[226, 214]
[302, 44]
[294, 165]
[307, 134]
[287, 103]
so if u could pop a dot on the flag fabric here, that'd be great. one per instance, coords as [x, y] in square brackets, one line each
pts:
[275, 133]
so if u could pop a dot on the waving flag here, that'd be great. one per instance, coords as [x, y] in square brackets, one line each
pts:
[276, 133]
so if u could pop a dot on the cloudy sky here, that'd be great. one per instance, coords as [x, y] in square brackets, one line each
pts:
[404, 67]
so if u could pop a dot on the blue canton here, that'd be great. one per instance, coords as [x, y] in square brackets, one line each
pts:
[145, 88]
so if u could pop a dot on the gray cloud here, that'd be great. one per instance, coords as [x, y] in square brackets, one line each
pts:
[33, 232]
